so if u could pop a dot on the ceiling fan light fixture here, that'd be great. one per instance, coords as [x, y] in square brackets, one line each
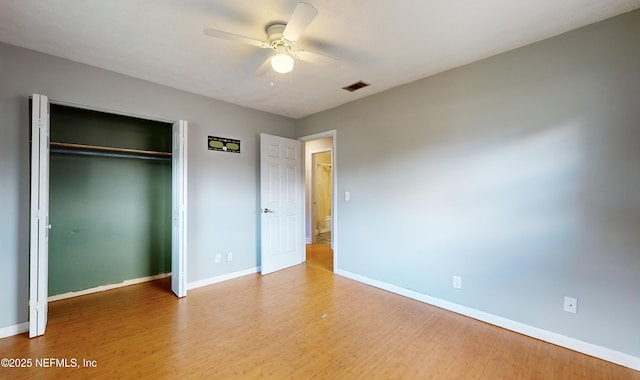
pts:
[282, 63]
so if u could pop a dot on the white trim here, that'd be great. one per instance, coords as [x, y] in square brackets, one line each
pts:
[102, 288]
[590, 349]
[318, 136]
[224, 277]
[14, 330]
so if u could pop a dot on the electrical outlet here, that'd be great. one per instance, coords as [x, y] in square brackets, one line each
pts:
[218, 258]
[229, 256]
[570, 304]
[457, 282]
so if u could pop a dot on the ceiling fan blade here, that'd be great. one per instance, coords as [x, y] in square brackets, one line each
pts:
[317, 59]
[234, 37]
[299, 21]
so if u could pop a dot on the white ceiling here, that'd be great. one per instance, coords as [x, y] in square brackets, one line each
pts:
[383, 42]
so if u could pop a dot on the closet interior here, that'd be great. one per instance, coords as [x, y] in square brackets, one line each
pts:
[110, 199]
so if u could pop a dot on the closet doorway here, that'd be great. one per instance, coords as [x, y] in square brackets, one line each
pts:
[109, 199]
[113, 203]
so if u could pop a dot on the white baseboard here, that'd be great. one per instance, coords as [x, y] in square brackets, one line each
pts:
[14, 330]
[224, 277]
[590, 349]
[102, 288]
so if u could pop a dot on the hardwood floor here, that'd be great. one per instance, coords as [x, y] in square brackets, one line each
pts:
[324, 238]
[320, 256]
[299, 323]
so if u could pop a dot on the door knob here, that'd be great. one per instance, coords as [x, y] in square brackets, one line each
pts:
[267, 211]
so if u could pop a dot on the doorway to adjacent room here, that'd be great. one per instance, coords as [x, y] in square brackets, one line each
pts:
[320, 220]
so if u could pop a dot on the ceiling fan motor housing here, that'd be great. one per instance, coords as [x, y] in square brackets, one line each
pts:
[274, 35]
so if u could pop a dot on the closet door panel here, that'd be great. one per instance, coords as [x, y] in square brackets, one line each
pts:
[179, 207]
[39, 239]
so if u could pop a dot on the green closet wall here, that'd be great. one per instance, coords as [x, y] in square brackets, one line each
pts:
[110, 217]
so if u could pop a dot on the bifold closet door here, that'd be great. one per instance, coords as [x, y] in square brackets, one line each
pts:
[179, 210]
[39, 245]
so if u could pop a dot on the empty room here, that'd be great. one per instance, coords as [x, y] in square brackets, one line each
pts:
[321, 189]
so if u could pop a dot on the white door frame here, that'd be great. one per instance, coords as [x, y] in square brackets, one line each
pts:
[37, 320]
[334, 206]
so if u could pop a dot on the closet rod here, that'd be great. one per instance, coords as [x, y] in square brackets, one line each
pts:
[106, 154]
[109, 149]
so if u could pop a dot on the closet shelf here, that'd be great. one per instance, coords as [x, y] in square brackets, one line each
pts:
[105, 151]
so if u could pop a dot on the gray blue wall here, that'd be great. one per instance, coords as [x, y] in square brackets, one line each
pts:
[223, 187]
[520, 173]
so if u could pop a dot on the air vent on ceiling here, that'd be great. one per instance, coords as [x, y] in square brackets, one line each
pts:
[356, 86]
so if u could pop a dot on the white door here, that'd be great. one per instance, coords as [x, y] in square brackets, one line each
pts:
[179, 209]
[39, 244]
[282, 203]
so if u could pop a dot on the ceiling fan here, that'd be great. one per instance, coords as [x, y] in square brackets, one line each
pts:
[282, 39]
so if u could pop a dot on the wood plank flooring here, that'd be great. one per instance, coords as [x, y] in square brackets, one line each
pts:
[320, 256]
[299, 323]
